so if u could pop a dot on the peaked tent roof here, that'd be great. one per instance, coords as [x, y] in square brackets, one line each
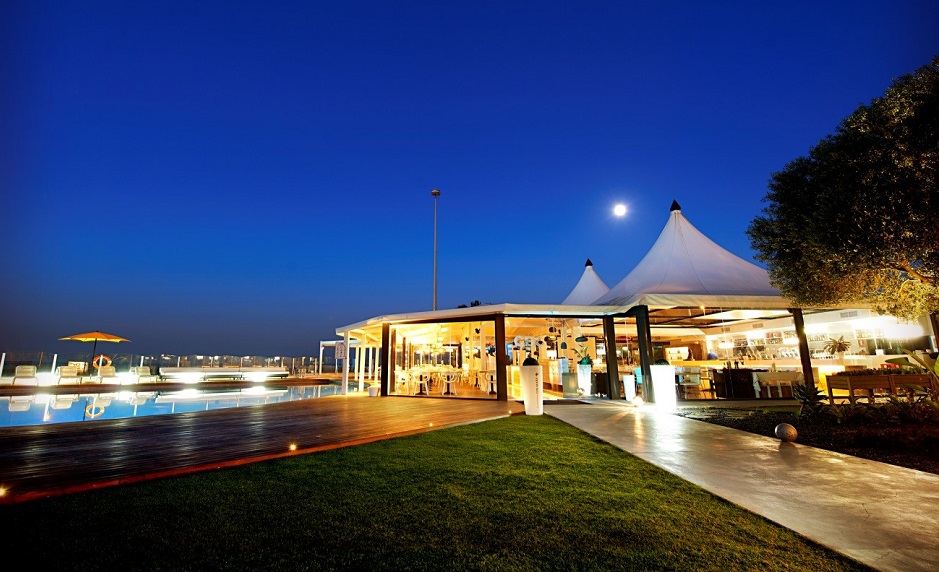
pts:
[588, 288]
[686, 268]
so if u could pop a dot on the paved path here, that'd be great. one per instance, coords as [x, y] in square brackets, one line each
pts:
[882, 515]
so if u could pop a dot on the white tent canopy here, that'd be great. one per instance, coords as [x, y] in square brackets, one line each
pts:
[588, 288]
[686, 268]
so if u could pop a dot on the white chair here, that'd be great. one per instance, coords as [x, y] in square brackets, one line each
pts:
[490, 378]
[402, 382]
[448, 380]
[420, 382]
[25, 375]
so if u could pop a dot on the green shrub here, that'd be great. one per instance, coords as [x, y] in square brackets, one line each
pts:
[811, 398]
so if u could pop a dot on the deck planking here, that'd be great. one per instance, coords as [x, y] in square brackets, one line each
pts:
[46, 460]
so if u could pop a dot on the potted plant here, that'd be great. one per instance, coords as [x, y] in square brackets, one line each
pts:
[583, 356]
[837, 347]
[584, 367]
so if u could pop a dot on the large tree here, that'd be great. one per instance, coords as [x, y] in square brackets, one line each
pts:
[858, 218]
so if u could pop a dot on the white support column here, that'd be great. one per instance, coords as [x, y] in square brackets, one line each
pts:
[319, 366]
[345, 367]
[360, 364]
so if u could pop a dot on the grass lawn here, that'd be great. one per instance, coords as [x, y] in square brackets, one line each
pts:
[523, 493]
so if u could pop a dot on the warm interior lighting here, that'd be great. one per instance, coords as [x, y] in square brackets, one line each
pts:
[902, 331]
[725, 345]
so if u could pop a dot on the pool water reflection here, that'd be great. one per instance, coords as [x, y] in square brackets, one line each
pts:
[43, 409]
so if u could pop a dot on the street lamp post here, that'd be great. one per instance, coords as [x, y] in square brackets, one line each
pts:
[435, 193]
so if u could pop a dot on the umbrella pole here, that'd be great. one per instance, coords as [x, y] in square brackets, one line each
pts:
[94, 348]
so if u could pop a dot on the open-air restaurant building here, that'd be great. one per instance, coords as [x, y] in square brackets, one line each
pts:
[713, 318]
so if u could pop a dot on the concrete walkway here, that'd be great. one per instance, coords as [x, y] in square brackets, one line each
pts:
[884, 516]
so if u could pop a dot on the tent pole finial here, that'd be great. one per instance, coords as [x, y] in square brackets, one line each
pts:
[675, 206]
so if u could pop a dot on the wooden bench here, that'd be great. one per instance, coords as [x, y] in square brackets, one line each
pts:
[854, 382]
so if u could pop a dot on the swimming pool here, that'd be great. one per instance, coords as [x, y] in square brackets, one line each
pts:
[43, 409]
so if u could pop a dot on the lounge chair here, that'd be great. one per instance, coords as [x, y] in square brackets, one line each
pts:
[142, 374]
[107, 374]
[141, 397]
[21, 402]
[63, 401]
[25, 375]
[67, 374]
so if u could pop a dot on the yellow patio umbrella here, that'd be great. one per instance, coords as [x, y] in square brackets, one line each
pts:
[95, 337]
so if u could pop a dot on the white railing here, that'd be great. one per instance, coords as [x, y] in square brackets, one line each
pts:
[47, 363]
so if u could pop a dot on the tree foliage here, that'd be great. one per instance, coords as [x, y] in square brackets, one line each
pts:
[857, 220]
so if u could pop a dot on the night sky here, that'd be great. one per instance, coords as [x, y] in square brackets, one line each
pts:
[243, 177]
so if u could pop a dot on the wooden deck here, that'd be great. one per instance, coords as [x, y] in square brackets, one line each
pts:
[46, 460]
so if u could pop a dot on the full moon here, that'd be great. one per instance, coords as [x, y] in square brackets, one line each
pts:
[619, 210]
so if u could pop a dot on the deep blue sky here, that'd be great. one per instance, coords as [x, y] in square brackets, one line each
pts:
[244, 177]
